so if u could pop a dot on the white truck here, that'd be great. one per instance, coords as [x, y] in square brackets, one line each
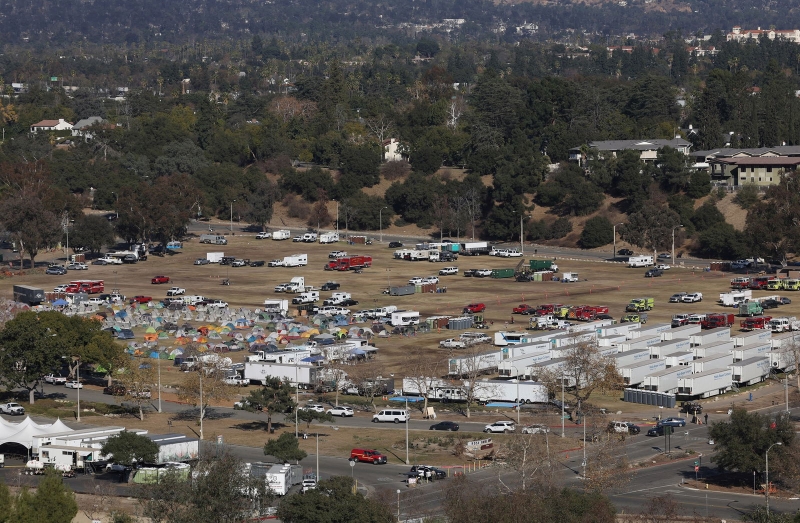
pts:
[15, 409]
[784, 324]
[640, 261]
[283, 234]
[734, 298]
[306, 297]
[176, 291]
[512, 391]
[570, 277]
[452, 343]
[214, 257]
[329, 237]
[281, 306]
[295, 260]
[337, 298]
[297, 284]
[278, 478]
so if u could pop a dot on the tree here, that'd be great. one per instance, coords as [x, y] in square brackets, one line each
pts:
[130, 449]
[747, 195]
[597, 231]
[742, 442]
[93, 232]
[423, 370]
[285, 448]
[529, 456]
[274, 396]
[6, 504]
[205, 384]
[771, 224]
[261, 202]
[53, 502]
[333, 501]
[32, 225]
[308, 416]
[365, 376]
[470, 370]
[699, 184]
[138, 377]
[651, 227]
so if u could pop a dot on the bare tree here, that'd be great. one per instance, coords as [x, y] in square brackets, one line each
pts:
[423, 371]
[138, 378]
[606, 464]
[474, 363]
[348, 212]
[472, 206]
[529, 456]
[381, 126]
[441, 213]
[337, 376]
[205, 384]
[367, 377]
[454, 112]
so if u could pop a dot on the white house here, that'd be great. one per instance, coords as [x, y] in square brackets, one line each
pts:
[51, 125]
[393, 150]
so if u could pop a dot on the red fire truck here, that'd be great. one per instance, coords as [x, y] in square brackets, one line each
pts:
[712, 321]
[347, 263]
[758, 322]
[87, 286]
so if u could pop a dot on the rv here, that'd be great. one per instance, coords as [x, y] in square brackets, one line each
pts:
[329, 237]
[283, 234]
[640, 261]
[405, 318]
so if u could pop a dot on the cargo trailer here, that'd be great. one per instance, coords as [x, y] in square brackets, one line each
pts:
[711, 336]
[214, 257]
[659, 350]
[513, 351]
[750, 371]
[595, 325]
[563, 340]
[706, 384]
[638, 343]
[754, 336]
[28, 295]
[784, 339]
[175, 447]
[404, 318]
[635, 373]
[615, 330]
[622, 359]
[510, 390]
[405, 290]
[666, 380]
[278, 478]
[301, 374]
[676, 359]
[653, 329]
[502, 273]
[513, 367]
[608, 341]
[542, 265]
[682, 332]
[782, 359]
[712, 362]
[719, 347]
[745, 352]
[474, 363]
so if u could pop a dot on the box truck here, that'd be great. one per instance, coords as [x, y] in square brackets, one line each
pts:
[750, 371]
[706, 384]
[635, 373]
[281, 306]
[278, 478]
[29, 295]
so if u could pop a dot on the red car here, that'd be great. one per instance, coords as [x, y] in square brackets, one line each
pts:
[160, 279]
[141, 299]
[524, 309]
[474, 308]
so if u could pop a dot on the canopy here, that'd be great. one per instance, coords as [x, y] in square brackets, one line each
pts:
[60, 302]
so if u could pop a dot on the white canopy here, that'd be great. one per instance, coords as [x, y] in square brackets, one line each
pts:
[23, 432]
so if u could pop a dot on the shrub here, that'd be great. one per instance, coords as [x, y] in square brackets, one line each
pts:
[560, 228]
[747, 196]
[597, 232]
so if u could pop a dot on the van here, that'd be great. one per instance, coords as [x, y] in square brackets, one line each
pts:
[391, 415]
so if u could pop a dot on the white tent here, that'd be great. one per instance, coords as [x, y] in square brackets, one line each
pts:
[23, 432]
[58, 426]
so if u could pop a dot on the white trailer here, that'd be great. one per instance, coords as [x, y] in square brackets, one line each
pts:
[640, 261]
[562, 340]
[283, 234]
[278, 478]
[615, 330]
[175, 447]
[411, 386]
[514, 367]
[712, 362]
[503, 338]
[514, 351]
[711, 336]
[300, 374]
[782, 359]
[281, 306]
[711, 349]
[214, 257]
[784, 339]
[750, 337]
[285, 357]
[758, 349]
[329, 237]
[666, 380]
[405, 318]
[622, 359]
[750, 371]
[682, 332]
[679, 358]
[474, 363]
[659, 350]
[295, 260]
[589, 326]
[512, 390]
[733, 299]
[65, 457]
[635, 373]
[706, 384]
[654, 329]
[638, 343]
[608, 341]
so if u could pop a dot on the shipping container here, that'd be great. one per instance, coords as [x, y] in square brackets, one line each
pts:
[28, 295]
[502, 273]
[712, 362]
[750, 371]
[666, 380]
[711, 336]
[540, 265]
[635, 373]
[659, 350]
[705, 384]
[405, 290]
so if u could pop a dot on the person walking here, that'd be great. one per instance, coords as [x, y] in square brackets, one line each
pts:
[705, 419]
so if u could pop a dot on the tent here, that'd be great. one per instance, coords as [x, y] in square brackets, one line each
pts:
[60, 303]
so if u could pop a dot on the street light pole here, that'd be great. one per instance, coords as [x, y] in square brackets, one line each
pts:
[766, 490]
[78, 387]
[521, 236]
[380, 222]
[296, 401]
[398, 505]
[614, 231]
[202, 410]
[673, 242]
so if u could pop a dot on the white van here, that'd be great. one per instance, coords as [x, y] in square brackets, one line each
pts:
[391, 415]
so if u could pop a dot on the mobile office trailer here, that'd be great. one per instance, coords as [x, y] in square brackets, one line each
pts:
[646, 330]
[297, 374]
[615, 329]
[711, 336]
[710, 349]
[175, 447]
[329, 237]
[481, 362]
[281, 306]
[283, 234]
[622, 359]
[405, 290]
[682, 332]
[282, 357]
[404, 318]
[666, 380]
[640, 261]
[734, 298]
[29, 295]
[638, 343]
[417, 386]
[512, 390]
[515, 367]
[750, 371]
[679, 358]
[278, 478]
[595, 326]
[659, 350]
[635, 373]
[705, 384]
[295, 260]
[754, 336]
[758, 349]
[782, 359]
[503, 338]
[65, 457]
[712, 362]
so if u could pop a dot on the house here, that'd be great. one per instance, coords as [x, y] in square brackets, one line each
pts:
[81, 127]
[759, 166]
[743, 35]
[648, 148]
[393, 151]
[51, 125]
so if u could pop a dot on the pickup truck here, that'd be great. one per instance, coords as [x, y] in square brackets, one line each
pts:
[330, 286]
[236, 381]
[336, 254]
[176, 291]
[15, 409]
[332, 310]
[452, 343]
[55, 380]
[275, 263]
[141, 299]
[474, 308]
[159, 279]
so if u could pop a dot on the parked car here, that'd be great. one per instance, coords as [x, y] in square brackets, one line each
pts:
[159, 279]
[111, 260]
[677, 297]
[663, 267]
[54, 379]
[239, 263]
[330, 286]
[785, 301]
[100, 261]
[653, 273]
[625, 252]
[664, 256]
[430, 279]
[95, 301]
[523, 308]
[202, 261]
[57, 270]
[448, 271]
[309, 484]
[482, 273]
[619, 427]
[395, 245]
[314, 408]
[236, 381]
[673, 422]
[336, 254]
[451, 426]
[219, 304]
[503, 426]
[426, 471]
[176, 291]
[297, 239]
[60, 288]
[77, 266]
[633, 429]
[474, 308]
[15, 409]
[368, 456]
[693, 297]
[770, 304]
[341, 411]
[74, 384]
[275, 263]
[535, 429]
[257, 263]
[141, 299]
[115, 390]
[416, 280]
[263, 236]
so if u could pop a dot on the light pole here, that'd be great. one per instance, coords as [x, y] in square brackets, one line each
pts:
[562, 405]
[232, 215]
[519, 403]
[337, 217]
[317, 455]
[398, 505]
[673, 242]
[159, 379]
[201, 401]
[766, 490]
[380, 222]
[408, 420]
[583, 420]
[296, 401]
[786, 392]
[614, 232]
[78, 385]
[521, 235]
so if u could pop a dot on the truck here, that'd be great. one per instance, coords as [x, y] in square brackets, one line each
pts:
[759, 322]
[640, 261]
[640, 305]
[347, 263]
[713, 321]
[295, 260]
[750, 308]
[760, 282]
[586, 312]
[214, 257]
[542, 265]
[679, 320]
[299, 374]
[784, 324]
[635, 373]
[510, 391]
[404, 318]
[28, 294]
[337, 298]
[15, 409]
[705, 384]
[297, 284]
[306, 297]
[740, 283]
[452, 343]
[329, 237]
[475, 248]
[570, 277]
[634, 317]
[750, 371]
[735, 298]
[283, 234]
[281, 306]
[86, 286]
[279, 478]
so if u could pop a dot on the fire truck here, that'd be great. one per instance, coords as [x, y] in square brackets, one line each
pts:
[347, 263]
[87, 286]
[760, 282]
[758, 322]
[713, 321]
[740, 283]
[586, 312]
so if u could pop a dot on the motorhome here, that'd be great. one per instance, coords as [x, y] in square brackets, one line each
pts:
[640, 261]
[405, 318]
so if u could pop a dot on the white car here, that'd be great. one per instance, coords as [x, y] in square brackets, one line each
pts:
[448, 271]
[337, 254]
[693, 297]
[77, 266]
[111, 260]
[502, 427]
[430, 279]
[55, 380]
[314, 407]
[510, 253]
[535, 429]
[309, 484]
[95, 301]
[297, 239]
[236, 381]
[664, 256]
[498, 252]
[176, 291]
[60, 288]
[416, 280]
[217, 303]
[482, 273]
[263, 236]
[73, 384]
[275, 263]
[663, 267]
[344, 412]
[452, 343]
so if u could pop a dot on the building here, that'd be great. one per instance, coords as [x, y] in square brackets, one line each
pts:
[51, 125]
[647, 148]
[81, 127]
[761, 166]
[393, 151]
[743, 35]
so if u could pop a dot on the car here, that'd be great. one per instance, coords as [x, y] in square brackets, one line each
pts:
[535, 429]
[263, 236]
[77, 266]
[502, 427]
[219, 304]
[523, 308]
[73, 384]
[367, 456]
[663, 267]
[430, 279]
[677, 297]
[176, 291]
[653, 273]
[236, 381]
[60, 288]
[482, 273]
[341, 411]
[625, 252]
[619, 427]
[130, 258]
[693, 297]
[349, 302]
[99, 261]
[95, 301]
[54, 379]
[275, 263]
[510, 253]
[257, 263]
[672, 422]
[309, 484]
[395, 245]
[785, 301]
[156, 280]
[426, 471]
[330, 286]
[297, 239]
[313, 407]
[111, 260]
[664, 256]
[115, 390]
[658, 430]
[448, 271]
[239, 262]
[416, 280]
[452, 343]
[15, 409]
[769, 303]
[57, 270]
[450, 426]
[202, 261]
[141, 299]
[474, 308]
[632, 428]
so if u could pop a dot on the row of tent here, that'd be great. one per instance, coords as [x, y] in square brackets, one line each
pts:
[22, 433]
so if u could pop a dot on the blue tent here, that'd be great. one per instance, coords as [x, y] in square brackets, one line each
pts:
[313, 359]
[60, 303]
